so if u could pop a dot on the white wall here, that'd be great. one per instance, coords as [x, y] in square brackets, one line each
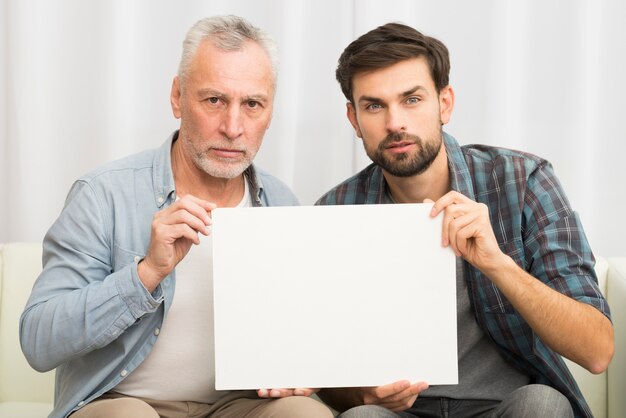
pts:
[84, 82]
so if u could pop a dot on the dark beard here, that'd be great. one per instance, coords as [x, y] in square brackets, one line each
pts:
[404, 164]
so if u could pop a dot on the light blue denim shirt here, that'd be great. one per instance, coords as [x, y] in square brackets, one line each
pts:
[88, 315]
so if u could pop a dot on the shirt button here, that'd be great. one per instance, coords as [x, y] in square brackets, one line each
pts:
[81, 403]
[157, 331]
[160, 199]
[136, 258]
[124, 373]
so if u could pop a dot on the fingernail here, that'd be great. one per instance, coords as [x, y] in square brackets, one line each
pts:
[263, 393]
[275, 393]
[298, 392]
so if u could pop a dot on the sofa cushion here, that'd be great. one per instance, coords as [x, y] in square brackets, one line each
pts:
[21, 264]
[25, 409]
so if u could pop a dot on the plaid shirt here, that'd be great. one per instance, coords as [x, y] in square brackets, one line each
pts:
[534, 224]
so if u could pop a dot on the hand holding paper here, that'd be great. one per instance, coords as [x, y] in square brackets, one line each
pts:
[173, 231]
[468, 231]
[397, 396]
[283, 393]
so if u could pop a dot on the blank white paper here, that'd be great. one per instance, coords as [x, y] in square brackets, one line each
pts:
[332, 296]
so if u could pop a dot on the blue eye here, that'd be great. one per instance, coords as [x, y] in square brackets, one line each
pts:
[412, 100]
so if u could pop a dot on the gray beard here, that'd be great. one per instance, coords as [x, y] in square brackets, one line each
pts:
[214, 169]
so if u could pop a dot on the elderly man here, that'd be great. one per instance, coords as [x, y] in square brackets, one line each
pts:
[104, 312]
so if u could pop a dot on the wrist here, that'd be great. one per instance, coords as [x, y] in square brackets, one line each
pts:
[498, 266]
[149, 277]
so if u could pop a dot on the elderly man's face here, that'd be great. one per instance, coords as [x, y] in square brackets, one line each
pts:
[225, 104]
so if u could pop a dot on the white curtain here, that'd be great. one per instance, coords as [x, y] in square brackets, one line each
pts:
[85, 82]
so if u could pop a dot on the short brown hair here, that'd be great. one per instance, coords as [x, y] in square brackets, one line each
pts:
[387, 45]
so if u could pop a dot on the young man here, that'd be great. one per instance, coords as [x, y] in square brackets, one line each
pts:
[526, 289]
[104, 312]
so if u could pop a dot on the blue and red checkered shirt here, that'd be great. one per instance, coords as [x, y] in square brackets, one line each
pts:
[534, 224]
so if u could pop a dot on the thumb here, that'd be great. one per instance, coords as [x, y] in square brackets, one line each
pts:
[429, 201]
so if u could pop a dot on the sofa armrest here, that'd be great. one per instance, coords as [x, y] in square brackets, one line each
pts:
[616, 295]
[19, 383]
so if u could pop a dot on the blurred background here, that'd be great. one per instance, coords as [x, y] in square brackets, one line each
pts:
[86, 82]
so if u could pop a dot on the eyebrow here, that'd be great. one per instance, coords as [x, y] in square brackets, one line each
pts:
[413, 90]
[209, 92]
[259, 97]
[403, 94]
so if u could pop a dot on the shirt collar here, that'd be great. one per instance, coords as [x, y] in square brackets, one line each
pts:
[460, 176]
[256, 186]
[162, 175]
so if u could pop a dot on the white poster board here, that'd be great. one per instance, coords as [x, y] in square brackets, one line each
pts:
[332, 296]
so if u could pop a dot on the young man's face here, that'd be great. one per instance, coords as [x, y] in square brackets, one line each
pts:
[398, 114]
[225, 105]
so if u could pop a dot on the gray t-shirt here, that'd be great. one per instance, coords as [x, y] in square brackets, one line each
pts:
[483, 372]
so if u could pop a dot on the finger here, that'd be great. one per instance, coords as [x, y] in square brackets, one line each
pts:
[382, 392]
[197, 207]
[453, 238]
[406, 398]
[445, 229]
[428, 201]
[304, 391]
[281, 393]
[453, 212]
[447, 200]
[409, 391]
[184, 216]
[418, 387]
[463, 236]
[462, 230]
[272, 393]
[191, 214]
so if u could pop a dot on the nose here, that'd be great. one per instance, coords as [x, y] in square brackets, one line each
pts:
[395, 120]
[231, 124]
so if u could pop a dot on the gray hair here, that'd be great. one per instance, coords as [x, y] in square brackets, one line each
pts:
[228, 33]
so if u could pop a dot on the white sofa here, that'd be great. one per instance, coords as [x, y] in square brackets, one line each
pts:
[25, 393]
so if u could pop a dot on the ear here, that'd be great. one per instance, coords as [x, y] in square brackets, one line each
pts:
[269, 121]
[175, 96]
[351, 113]
[446, 104]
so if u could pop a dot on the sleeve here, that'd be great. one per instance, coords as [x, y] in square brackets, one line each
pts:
[80, 302]
[555, 243]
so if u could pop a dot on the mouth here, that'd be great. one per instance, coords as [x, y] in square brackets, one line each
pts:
[400, 146]
[227, 153]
